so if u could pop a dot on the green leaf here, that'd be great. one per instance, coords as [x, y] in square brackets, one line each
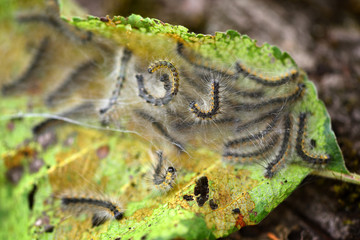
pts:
[123, 172]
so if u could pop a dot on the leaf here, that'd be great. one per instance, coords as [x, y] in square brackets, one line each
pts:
[76, 160]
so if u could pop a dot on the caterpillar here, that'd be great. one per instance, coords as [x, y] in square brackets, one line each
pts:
[267, 81]
[237, 156]
[174, 73]
[120, 80]
[194, 61]
[170, 89]
[313, 159]
[143, 93]
[274, 165]
[164, 175]
[299, 90]
[101, 208]
[255, 136]
[270, 114]
[215, 104]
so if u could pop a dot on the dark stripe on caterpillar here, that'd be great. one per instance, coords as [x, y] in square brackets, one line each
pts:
[163, 176]
[99, 206]
[31, 70]
[143, 93]
[120, 80]
[258, 135]
[157, 125]
[59, 25]
[278, 100]
[215, 104]
[229, 155]
[184, 125]
[249, 94]
[68, 86]
[300, 146]
[278, 162]
[173, 71]
[267, 81]
[263, 117]
[181, 51]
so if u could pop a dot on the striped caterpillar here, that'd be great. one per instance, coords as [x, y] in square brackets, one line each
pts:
[101, 208]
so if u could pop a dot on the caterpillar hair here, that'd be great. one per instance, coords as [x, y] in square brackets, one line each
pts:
[270, 114]
[267, 81]
[215, 104]
[67, 86]
[278, 100]
[194, 61]
[163, 176]
[255, 136]
[101, 208]
[186, 125]
[120, 80]
[160, 127]
[236, 156]
[248, 94]
[279, 159]
[313, 159]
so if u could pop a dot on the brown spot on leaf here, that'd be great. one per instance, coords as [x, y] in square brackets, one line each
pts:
[240, 222]
[10, 126]
[47, 139]
[35, 165]
[70, 139]
[103, 151]
[14, 174]
[15, 158]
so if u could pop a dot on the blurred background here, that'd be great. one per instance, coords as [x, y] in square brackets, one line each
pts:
[323, 36]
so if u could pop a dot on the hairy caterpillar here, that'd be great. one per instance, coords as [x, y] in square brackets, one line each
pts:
[163, 174]
[101, 208]
[120, 80]
[313, 159]
[214, 107]
[278, 162]
[267, 81]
